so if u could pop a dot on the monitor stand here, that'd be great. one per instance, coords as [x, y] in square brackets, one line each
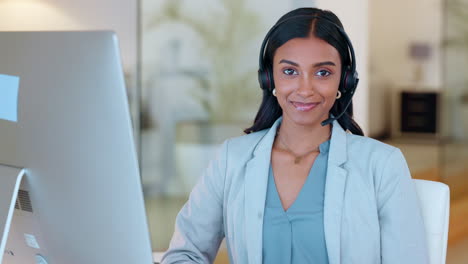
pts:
[10, 180]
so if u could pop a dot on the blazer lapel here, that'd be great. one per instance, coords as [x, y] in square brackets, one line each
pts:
[256, 182]
[334, 192]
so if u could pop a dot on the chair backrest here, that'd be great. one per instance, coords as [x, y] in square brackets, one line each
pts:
[434, 200]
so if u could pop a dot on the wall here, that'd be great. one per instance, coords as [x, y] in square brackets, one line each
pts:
[393, 26]
[117, 15]
[354, 16]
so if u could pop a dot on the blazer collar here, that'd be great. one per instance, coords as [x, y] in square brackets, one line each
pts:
[335, 184]
[265, 144]
[256, 181]
[338, 152]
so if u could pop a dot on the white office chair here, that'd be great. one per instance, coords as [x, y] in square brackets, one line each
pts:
[434, 200]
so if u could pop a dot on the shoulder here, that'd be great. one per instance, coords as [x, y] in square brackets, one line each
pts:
[245, 144]
[381, 166]
[362, 145]
[380, 158]
[365, 152]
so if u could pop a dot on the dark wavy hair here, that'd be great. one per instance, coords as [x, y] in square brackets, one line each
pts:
[301, 23]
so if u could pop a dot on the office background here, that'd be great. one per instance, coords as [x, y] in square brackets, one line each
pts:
[191, 78]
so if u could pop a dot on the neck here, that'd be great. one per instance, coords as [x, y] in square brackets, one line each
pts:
[302, 139]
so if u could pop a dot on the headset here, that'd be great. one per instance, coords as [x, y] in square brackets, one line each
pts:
[349, 77]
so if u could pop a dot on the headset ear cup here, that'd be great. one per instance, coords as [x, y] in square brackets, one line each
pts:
[261, 79]
[343, 82]
[265, 80]
[349, 80]
[271, 82]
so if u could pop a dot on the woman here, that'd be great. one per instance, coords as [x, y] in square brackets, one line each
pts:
[302, 187]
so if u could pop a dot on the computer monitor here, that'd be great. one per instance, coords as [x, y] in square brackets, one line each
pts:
[74, 138]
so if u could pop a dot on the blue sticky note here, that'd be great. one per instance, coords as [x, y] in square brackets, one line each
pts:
[9, 97]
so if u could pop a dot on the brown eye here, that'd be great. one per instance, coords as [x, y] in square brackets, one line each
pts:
[323, 73]
[289, 72]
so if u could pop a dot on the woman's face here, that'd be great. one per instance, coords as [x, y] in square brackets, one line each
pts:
[306, 72]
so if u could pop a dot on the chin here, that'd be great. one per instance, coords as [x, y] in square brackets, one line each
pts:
[306, 120]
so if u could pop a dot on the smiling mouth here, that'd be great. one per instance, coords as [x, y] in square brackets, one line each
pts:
[304, 106]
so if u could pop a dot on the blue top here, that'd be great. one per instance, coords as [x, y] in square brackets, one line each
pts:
[297, 235]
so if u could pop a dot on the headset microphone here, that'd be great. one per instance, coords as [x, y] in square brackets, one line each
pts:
[347, 98]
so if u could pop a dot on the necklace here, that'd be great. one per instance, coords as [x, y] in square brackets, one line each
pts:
[297, 158]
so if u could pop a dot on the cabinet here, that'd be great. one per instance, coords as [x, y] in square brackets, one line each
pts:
[419, 111]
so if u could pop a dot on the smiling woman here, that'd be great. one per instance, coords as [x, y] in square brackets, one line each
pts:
[304, 185]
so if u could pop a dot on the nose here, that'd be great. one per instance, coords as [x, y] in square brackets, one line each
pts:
[306, 87]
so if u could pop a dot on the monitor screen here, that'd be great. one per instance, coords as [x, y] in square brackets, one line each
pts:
[73, 137]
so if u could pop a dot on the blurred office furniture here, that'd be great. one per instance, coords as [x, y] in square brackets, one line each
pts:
[419, 53]
[419, 111]
[434, 199]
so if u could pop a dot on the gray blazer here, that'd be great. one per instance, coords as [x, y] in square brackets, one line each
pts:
[371, 210]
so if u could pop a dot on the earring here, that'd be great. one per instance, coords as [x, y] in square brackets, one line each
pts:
[274, 92]
[338, 95]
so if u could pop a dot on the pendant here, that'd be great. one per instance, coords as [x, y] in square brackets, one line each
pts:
[297, 160]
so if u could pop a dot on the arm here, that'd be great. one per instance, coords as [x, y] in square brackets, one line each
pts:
[402, 234]
[199, 224]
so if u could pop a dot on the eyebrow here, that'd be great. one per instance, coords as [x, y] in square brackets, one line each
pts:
[318, 64]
